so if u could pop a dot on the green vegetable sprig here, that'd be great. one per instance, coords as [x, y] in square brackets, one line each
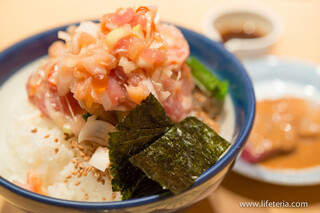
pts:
[206, 81]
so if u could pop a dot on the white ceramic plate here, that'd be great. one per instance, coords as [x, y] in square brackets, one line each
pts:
[275, 77]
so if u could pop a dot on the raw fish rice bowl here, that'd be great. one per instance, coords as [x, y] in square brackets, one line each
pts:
[117, 110]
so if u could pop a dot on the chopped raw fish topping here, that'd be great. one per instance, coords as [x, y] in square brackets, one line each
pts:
[114, 65]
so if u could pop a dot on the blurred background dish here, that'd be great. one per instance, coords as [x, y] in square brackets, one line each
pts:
[245, 28]
[274, 78]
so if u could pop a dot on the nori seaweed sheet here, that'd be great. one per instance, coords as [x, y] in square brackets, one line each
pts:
[141, 127]
[150, 114]
[181, 155]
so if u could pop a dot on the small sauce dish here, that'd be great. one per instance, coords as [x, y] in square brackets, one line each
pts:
[246, 28]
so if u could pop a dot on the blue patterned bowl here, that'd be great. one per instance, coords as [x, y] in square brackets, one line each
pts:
[214, 56]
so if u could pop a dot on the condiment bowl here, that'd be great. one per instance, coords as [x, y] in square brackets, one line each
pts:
[215, 57]
[255, 27]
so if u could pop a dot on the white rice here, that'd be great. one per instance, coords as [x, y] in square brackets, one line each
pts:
[22, 150]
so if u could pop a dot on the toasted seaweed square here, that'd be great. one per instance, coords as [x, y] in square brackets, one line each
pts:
[181, 155]
[141, 127]
[148, 115]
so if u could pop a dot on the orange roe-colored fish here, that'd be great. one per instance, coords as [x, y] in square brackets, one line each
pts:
[33, 183]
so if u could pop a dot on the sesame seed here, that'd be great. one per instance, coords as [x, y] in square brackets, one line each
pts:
[79, 175]
[96, 175]
[56, 140]
[75, 172]
[109, 176]
[56, 150]
[68, 177]
[67, 136]
[82, 154]
[73, 161]
[34, 130]
[77, 183]
[113, 196]
[86, 197]
[65, 180]
[86, 158]
[103, 181]
[81, 148]
[81, 166]
[104, 198]
[47, 136]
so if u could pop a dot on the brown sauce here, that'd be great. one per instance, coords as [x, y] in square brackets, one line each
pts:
[291, 127]
[227, 35]
[305, 154]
